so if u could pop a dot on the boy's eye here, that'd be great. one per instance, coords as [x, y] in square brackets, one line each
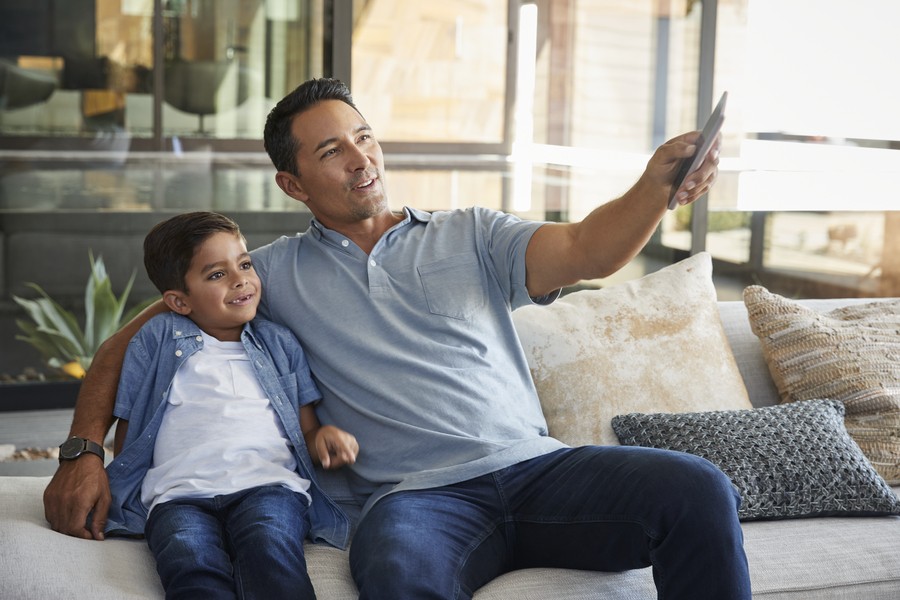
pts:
[246, 266]
[216, 275]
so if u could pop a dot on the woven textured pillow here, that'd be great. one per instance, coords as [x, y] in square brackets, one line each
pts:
[851, 354]
[788, 461]
[653, 344]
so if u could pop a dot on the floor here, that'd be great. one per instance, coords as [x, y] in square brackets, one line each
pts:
[40, 429]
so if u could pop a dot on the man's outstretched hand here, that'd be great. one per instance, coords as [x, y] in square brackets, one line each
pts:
[79, 487]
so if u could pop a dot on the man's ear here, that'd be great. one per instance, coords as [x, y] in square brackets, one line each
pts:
[177, 301]
[290, 185]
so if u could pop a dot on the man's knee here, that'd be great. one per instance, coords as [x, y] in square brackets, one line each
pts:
[700, 490]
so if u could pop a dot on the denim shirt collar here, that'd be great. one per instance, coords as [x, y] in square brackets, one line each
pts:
[184, 328]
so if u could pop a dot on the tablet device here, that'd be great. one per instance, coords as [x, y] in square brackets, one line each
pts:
[704, 143]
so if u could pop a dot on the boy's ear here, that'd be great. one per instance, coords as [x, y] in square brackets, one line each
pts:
[177, 302]
[290, 185]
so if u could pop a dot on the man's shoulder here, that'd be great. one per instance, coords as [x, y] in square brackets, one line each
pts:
[281, 244]
[475, 215]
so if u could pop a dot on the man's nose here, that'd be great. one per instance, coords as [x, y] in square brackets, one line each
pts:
[358, 159]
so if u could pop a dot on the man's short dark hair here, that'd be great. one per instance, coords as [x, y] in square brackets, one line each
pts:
[170, 246]
[279, 143]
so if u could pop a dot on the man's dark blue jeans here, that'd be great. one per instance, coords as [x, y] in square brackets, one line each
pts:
[595, 508]
[243, 545]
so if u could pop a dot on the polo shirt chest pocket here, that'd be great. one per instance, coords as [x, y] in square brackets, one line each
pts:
[454, 286]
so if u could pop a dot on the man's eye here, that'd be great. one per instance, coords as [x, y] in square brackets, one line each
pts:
[330, 152]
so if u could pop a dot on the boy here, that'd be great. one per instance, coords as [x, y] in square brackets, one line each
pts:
[211, 461]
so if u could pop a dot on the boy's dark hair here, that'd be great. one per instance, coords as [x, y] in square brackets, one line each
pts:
[171, 244]
[279, 143]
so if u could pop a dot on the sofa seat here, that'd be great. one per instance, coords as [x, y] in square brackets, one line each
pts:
[802, 559]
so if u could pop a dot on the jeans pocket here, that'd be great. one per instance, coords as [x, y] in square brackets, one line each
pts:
[454, 286]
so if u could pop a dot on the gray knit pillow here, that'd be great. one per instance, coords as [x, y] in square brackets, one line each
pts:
[787, 461]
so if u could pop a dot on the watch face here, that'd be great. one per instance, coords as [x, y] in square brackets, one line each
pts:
[71, 448]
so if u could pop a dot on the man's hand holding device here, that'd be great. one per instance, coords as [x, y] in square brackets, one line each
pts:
[704, 145]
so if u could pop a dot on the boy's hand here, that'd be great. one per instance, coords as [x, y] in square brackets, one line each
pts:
[335, 447]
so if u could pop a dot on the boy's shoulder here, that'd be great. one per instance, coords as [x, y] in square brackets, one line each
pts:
[265, 327]
[167, 325]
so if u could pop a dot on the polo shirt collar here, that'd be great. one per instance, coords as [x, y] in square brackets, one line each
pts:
[410, 214]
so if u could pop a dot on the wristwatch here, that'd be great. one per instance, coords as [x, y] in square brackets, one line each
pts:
[74, 447]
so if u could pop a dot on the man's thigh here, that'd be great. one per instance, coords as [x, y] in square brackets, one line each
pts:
[596, 508]
[438, 543]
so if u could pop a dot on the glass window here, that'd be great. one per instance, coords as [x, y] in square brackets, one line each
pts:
[228, 61]
[89, 123]
[811, 144]
[613, 80]
[71, 66]
[86, 68]
[432, 71]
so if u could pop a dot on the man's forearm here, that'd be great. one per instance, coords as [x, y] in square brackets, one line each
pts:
[613, 234]
[97, 397]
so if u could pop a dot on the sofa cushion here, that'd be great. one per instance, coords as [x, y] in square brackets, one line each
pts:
[787, 461]
[851, 354]
[654, 344]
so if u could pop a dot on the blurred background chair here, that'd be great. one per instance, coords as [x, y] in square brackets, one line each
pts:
[194, 87]
[21, 87]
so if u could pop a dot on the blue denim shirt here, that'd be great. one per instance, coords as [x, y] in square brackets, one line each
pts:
[154, 355]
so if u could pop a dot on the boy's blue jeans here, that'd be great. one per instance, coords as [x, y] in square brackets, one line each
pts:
[595, 508]
[243, 545]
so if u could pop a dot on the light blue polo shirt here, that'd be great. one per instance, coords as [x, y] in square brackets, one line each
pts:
[413, 346]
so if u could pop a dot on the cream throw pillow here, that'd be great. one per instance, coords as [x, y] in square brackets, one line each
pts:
[850, 354]
[654, 344]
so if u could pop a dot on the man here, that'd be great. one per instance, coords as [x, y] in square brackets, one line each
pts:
[405, 320]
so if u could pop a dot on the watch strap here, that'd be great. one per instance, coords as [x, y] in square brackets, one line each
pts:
[86, 446]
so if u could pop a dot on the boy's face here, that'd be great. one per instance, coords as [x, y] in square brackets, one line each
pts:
[223, 290]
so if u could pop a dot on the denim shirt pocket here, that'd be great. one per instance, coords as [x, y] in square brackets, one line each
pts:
[454, 286]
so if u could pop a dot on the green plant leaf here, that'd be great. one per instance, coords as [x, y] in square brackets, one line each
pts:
[41, 341]
[51, 317]
[55, 332]
[50, 343]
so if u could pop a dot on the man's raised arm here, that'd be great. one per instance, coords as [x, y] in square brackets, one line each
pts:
[561, 254]
[80, 486]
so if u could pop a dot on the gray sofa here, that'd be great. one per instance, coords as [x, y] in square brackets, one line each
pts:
[811, 558]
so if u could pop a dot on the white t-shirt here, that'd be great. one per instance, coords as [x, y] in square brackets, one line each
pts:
[219, 434]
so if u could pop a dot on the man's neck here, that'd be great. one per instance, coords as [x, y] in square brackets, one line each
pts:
[366, 233]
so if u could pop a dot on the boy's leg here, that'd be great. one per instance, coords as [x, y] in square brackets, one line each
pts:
[439, 544]
[619, 508]
[187, 540]
[265, 528]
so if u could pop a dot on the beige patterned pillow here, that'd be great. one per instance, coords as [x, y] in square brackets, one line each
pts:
[654, 344]
[850, 354]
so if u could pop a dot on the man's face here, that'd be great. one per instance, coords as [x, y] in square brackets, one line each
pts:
[340, 164]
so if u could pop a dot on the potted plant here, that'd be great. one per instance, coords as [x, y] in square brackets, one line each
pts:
[66, 346]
